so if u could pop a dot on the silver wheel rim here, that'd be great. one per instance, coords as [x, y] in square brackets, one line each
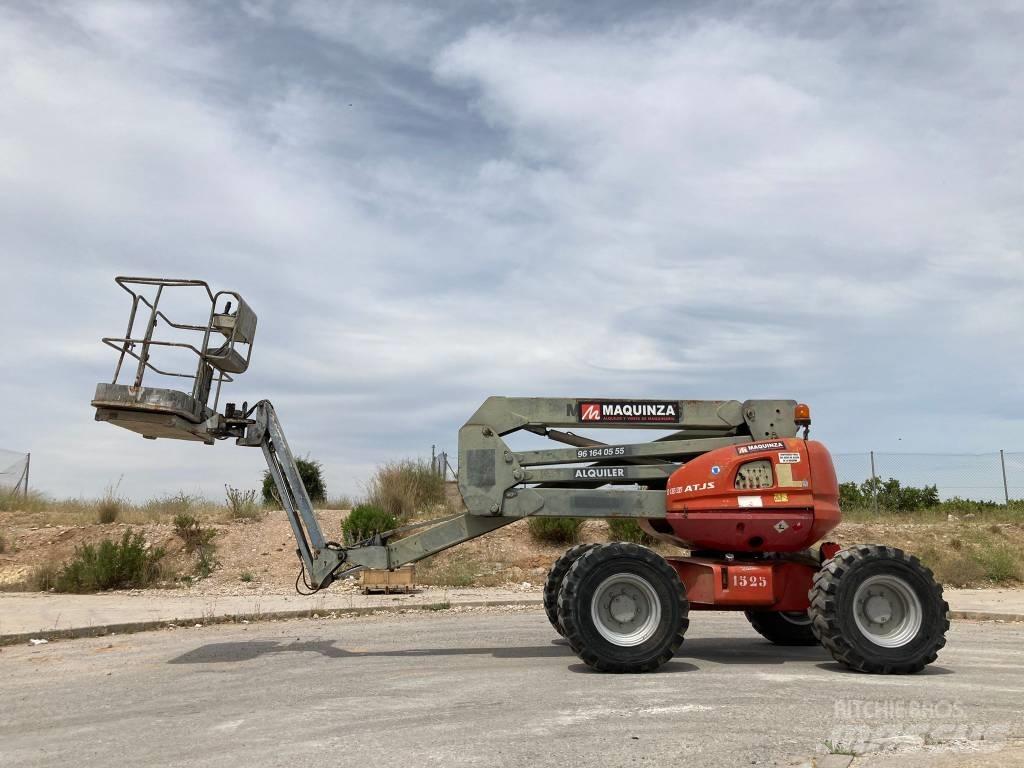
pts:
[887, 611]
[798, 618]
[625, 609]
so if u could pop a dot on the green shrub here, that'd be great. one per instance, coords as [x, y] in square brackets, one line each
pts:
[888, 495]
[627, 529]
[198, 541]
[554, 530]
[126, 564]
[312, 474]
[364, 521]
[406, 488]
[242, 504]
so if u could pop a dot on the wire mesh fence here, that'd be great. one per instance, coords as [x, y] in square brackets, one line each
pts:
[14, 468]
[995, 477]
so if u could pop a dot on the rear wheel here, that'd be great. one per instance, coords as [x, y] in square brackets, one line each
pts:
[623, 608]
[553, 582]
[783, 627]
[878, 609]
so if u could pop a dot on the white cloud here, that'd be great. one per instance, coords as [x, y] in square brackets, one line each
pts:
[425, 211]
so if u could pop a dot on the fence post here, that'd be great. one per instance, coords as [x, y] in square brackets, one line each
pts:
[1006, 488]
[28, 463]
[874, 484]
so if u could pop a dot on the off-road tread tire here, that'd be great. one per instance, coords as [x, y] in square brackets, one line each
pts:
[838, 632]
[553, 582]
[574, 611]
[772, 626]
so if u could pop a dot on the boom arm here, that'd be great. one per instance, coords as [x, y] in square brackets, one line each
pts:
[498, 485]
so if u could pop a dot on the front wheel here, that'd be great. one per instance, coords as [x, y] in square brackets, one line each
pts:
[623, 608]
[877, 609]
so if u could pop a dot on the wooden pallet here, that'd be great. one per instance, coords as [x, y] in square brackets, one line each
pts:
[399, 580]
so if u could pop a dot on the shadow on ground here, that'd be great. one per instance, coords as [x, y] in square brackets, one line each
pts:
[740, 650]
[246, 651]
[715, 650]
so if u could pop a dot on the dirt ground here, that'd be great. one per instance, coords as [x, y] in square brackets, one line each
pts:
[259, 557]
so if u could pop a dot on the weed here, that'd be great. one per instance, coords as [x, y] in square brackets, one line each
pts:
[455, 570]
[1000, 562]
[129, 563]
[245, 576]
[180, 503]
[198, 541]
[554, 530]
[406, 489]
[437, 606]
[3, 544]
[339, 502]
[44, 577]
[365, 521]
[242, 504]
[627, 529]
[836, 748]
[110, 506]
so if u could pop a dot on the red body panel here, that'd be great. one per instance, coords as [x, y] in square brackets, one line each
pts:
[775, 585]
[796, 505]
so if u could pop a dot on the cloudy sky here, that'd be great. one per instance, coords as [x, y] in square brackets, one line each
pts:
[429, 204]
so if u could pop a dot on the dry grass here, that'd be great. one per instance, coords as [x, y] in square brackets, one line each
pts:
[977, 555]
[407, 489]
[110, 508]
[457, 570]
[959, 509]
[242, 505]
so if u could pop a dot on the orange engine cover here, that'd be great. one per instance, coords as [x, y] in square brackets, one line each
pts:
[777, 495]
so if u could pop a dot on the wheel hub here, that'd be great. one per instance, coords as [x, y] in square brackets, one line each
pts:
[887, 611]
[625, 609]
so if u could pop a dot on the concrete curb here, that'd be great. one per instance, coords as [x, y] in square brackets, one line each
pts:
[986, 616]
[72, 633]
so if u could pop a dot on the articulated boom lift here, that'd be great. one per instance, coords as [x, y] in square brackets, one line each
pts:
[739, 485]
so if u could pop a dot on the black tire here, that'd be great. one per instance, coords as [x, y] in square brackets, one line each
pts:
[553, 582]
[783, 628]
[661, 609]
[853, 636]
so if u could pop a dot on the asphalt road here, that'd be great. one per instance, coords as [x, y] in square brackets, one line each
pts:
[487, 688]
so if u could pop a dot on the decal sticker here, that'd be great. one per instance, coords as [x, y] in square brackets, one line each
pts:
[598, 473]
[781, 526]
[784, 477]
[782, 497]
[692, 488]
[750, 501]
[715, 469]
[625, 411]
[768, 445]
[601, 453]
[789, 458]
